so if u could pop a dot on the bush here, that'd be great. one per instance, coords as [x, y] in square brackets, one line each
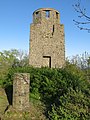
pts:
[65, 92]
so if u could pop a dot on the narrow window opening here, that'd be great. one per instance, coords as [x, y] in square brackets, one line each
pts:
[47, 13]
[37, 14]
[53, 29]
[57, 15]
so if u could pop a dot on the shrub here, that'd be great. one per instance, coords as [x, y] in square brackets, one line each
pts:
[65, 92]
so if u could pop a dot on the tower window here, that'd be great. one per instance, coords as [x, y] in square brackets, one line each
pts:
[37, 14]
[57, 15]
[53, 30]
[47, 13]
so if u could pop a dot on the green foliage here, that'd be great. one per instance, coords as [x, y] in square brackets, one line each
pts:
[65, 92]
[73, 105]
[82, 60]
[11, 59]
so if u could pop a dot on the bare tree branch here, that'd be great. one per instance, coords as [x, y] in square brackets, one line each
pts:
[77, 22]
[85, 19]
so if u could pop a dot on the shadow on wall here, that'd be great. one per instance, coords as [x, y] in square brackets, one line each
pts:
[9, 93]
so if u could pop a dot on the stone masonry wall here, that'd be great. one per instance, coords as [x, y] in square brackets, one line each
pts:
[47, 45]
[21, 85]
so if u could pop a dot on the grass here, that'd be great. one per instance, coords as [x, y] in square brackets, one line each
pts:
[36, 111]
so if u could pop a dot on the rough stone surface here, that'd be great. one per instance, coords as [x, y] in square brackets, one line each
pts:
[21, 91]
[47, 46]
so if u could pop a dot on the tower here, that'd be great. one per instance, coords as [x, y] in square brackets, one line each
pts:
[47, 47]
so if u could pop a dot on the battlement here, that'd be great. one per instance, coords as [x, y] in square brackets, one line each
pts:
[46, 14]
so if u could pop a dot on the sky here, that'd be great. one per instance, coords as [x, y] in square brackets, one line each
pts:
[16, 17]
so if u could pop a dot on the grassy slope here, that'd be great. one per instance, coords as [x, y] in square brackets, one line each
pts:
[35, 113]
[3, 101]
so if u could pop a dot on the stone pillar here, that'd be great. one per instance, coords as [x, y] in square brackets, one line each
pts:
[21, 85]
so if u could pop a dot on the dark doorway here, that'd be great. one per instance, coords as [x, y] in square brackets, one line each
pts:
[47, 61]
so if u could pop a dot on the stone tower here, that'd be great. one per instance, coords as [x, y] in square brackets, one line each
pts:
[47, 46]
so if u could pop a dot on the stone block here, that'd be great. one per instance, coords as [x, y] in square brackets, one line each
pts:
[21, 85]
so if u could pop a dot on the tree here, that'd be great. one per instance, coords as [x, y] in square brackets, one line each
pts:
[22, 59]
[11, 58]
[82, 60]
[84, 17]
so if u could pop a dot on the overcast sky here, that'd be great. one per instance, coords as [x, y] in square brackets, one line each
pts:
[16, 17]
